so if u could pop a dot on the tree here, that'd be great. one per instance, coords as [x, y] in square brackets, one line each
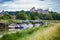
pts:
[6, 16]
[48, 17]
[55, 15]
[1, 17]
[41, 16]
[36, 18]
[22, 16]
[33, 15]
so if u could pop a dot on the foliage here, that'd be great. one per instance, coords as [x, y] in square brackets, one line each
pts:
[48, 17]
[55, 15]
[27, 15]
[33, 15]
[6, 16]
[21, 34]
[22, 16]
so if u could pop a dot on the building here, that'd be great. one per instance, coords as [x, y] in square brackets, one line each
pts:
[3, 12]
[33, 9]
[39, 10]
[45, 11]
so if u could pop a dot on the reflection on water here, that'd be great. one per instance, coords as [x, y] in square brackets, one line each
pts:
[20, 26]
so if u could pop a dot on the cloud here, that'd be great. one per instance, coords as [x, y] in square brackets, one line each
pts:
[22, 4]
[28, 4]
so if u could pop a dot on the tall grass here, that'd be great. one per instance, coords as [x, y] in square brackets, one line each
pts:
[54, 21]
[51, 33]
[30, 34]
[22, 33]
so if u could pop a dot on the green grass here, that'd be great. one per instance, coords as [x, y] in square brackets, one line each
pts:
[55, 21]
[17, 21]
[23, 34]
[10, 21]
[49, 32]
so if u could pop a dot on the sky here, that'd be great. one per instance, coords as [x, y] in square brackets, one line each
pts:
[17, 5]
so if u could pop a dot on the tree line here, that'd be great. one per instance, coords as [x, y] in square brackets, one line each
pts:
[23, 15]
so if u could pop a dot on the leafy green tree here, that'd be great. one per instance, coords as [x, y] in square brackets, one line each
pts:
[41, 16]
[36, 17]
[48, 17]
[6, 16]
[22, 16]
[33, 15]
[1, 17]
[55, 15]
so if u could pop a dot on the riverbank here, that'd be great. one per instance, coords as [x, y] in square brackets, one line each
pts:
[24, 34]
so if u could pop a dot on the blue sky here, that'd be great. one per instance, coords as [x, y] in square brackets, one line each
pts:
[16, 5]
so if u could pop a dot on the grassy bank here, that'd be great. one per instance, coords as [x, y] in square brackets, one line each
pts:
[17, 21]
[54, 21]
[49, 32]
[23, 33]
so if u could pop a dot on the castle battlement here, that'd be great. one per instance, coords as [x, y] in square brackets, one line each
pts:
[39, 10]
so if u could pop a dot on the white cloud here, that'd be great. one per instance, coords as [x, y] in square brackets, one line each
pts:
[23, 4]
[27, 4]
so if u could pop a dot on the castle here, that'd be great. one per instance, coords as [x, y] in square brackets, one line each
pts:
[39, 10]
[31, 10]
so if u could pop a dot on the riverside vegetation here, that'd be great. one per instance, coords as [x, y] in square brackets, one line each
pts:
[48, 32]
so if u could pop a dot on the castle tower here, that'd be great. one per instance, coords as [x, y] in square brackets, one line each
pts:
[33, 9]
[45, 11]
